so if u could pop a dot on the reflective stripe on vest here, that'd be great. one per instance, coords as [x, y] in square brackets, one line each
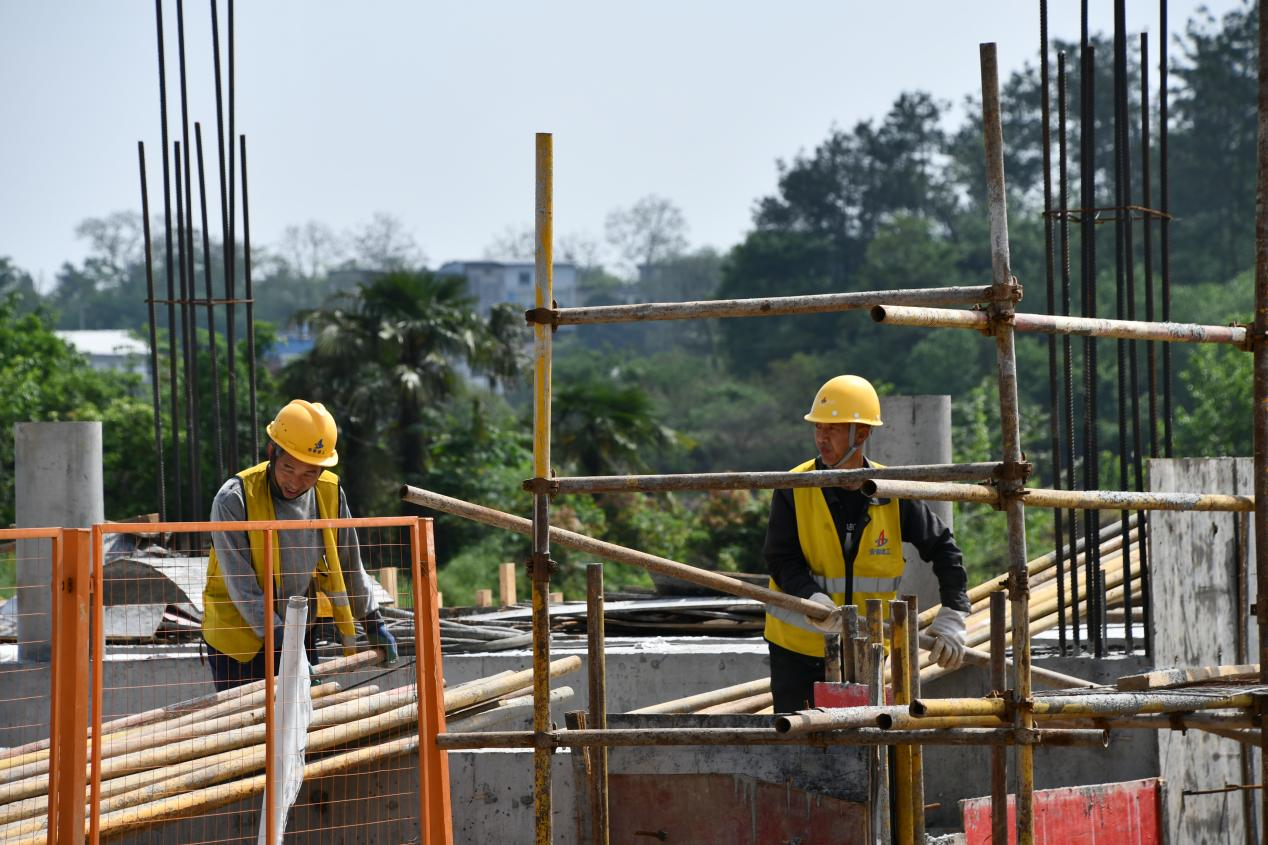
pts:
[223, 626]
[878, 564]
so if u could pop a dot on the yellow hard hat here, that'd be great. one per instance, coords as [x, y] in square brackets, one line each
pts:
[307, 432]
[846, 399]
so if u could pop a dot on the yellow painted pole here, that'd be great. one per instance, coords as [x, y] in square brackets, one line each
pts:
[540, 563]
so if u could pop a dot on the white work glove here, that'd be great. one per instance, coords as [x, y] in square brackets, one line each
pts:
[948, 635]
[832, 624]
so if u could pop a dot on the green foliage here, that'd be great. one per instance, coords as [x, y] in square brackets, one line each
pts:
[1215, 419]
[44, 380]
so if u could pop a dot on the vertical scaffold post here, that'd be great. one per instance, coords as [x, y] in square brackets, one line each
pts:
[98, 664]
[999, 754]
[1261, 387]
[597, 671]
[913, 692]
[540, 562]
[1005, 293]
[270, 706]
[900, 675]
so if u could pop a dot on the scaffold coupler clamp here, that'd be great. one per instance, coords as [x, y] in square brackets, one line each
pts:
[540, 559]
[544, 316]
[544, 486]
[1254, 337]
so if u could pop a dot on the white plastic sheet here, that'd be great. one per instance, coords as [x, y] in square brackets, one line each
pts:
[293, 711]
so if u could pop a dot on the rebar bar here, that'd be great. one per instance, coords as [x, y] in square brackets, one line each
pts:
[191, 316]
[226, 234]
[1067, 365]
[211, 311]
[246, 288]
[153, 326]
[170, 275]
[774, 306]
[1164, 226]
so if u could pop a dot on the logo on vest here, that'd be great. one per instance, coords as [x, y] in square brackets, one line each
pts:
[318, 447]
[879, 545]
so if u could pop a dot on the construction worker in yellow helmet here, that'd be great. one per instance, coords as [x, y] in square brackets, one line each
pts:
[293, 483]
[836, 546]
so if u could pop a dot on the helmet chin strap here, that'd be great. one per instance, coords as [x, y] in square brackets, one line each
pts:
[854, 447]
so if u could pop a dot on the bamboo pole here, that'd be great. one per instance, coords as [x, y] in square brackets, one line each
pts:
[1113, 500]
[699, 701]
[897, 315]
[21, 754]
[161, 782]
[750, 704]
[29, 807]
[771, 480]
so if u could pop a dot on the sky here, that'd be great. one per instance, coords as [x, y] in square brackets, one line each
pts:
[428, 111]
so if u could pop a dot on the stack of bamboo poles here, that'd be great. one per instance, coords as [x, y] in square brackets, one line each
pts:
[192, 757]
[1044, 612]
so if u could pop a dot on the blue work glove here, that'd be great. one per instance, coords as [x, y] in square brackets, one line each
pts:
[377, 634]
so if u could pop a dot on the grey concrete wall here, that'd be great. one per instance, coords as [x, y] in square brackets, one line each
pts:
[955, 773]
[1194, 562]
[917, 430]
[57, 484]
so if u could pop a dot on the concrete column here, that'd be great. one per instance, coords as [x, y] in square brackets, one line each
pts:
[917, 430]
[1194, 562]
[58, 484]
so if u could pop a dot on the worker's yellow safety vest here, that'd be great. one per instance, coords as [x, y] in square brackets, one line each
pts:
[878, 564]
[223, 626]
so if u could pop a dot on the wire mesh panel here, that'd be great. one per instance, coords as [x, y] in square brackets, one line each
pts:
[190, 736]
[26, 677]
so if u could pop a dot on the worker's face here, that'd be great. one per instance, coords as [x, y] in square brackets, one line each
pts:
[833, 441]
[294, 478]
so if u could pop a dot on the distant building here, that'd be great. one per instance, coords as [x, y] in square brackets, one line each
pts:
[494, 282]
[111, 349]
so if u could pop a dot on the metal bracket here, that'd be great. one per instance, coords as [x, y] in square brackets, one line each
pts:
[539, 557]
[544, 316]
[1254, 339]
[545, 486]
[1013, 470]
[1006, 494]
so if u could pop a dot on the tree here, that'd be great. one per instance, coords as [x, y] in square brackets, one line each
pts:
[17, 282]
[384, 244]
[44, 380]
[385, 358]
[648, 232]
[1214, 419]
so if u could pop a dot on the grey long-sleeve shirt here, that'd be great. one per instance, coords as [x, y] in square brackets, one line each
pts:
[300, 551]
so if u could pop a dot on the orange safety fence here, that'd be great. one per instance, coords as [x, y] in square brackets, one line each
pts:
[166, 757]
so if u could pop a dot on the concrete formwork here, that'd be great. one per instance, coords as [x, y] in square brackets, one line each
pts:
[1194, 565]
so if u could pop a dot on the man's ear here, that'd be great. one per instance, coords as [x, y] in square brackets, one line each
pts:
[861, 434]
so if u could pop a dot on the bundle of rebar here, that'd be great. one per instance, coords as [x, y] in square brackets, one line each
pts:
[194, 756]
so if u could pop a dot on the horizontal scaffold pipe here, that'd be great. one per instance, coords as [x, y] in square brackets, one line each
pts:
[773, 306]
[772, 480]
[1046, 324]
[1039, 497]
[665, 566]
[763, 736]
[1090, 704]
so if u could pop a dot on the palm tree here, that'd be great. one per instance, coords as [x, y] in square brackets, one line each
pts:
[386, 355]
[602, 428]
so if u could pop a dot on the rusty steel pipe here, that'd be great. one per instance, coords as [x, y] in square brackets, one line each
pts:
[627, 737]
[896, 315]
[1260, 382]
[999, 757]
[774, 306]
[1066, 499]
[1091, 705]
[772, 480]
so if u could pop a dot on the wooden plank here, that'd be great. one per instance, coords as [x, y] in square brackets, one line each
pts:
[1193, 675]
[506, 584]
